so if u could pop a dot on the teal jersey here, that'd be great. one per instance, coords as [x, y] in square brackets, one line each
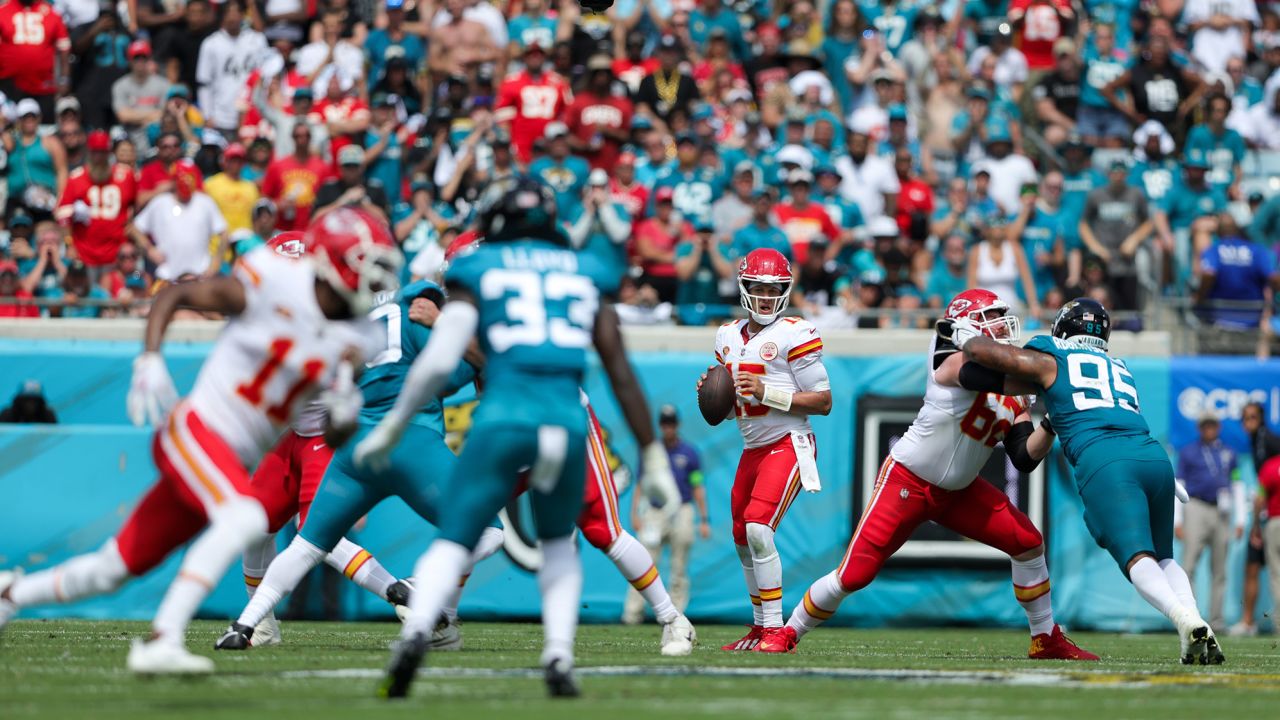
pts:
[537, 302]
[1155, 177]
[384, 375]
[1093, 406]
[895, 22]
[1184, 204]
[1039, 237]
[1224, 153]
[1075, 190]
[525, 31]
[692, 191]
[567, 178]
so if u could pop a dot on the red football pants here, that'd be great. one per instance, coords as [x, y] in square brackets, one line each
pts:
[288, 477]
[767, 482]
[902, 501]
[198, 473]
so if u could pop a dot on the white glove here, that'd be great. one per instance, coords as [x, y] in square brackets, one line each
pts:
[81, 213]
[962, 331]
[151, 392]
[374, 451]
[658, 483]
[344, 400]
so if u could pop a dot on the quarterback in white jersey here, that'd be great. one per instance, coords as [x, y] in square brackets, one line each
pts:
[931, 474]
[777, 366]
[291, 334]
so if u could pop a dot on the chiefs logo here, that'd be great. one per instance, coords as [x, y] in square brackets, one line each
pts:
[768, 351]
[958, 307]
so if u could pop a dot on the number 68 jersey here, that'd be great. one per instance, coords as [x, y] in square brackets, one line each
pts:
[787, 354]
[955, 431]
[274, 357]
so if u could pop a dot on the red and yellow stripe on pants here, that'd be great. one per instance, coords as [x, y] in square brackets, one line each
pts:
[357, 562]
[599, 521]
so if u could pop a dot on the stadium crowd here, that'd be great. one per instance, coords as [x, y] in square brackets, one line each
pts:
[897, 151]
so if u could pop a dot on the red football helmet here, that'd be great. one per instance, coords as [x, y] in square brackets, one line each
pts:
[769, 268]
[988, 312]
[353, 252]
[464, 241]
[291, 244]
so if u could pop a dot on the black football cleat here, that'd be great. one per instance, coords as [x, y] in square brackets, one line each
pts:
[237, 637]
[399, 591]
[1212, 652]
[560, 682]
[406, 656]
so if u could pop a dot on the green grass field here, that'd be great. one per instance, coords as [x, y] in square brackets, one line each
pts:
[75, 669]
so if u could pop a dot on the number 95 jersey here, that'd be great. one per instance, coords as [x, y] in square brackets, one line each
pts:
[537, 303]
[954, 432]
[787, 353]
[273, 357]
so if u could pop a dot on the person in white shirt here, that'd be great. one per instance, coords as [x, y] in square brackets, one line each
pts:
[348, 59]
[1011, 67]
[183, 230]
[226, 59]
[868, 180]
[1261, 125]
[1220, 30]
[1009, 171]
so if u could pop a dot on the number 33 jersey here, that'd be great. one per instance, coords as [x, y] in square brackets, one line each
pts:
[537, 303]
[274, 357]
[954, 432]
[787, 354]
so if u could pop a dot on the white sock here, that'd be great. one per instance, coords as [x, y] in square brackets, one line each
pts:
[560, 580]
[490, 543]
[282, 577]
[820, 602]
[636, 565]
[1150, 582]
[94, 573]
[235, 524]
[360, 567]
[768, 571]
[1181, 584]
[753, 590]
[1031, 587]
[257, 558]
[438, 572]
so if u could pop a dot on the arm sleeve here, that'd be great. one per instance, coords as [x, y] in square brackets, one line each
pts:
[1015, 444]
[616, 223]
[980, 378]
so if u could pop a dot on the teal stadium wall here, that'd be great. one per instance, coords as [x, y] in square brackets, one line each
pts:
[67, 488]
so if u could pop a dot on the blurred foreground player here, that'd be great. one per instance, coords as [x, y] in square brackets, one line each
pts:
[931, 474]
[294, 328]
[535, 306]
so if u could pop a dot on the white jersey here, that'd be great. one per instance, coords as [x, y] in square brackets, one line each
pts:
[223, 66]
[954, 433]
[273, 358]
[788, 354]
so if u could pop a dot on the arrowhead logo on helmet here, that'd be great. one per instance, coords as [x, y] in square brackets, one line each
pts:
[353, 252]
[290, 244]
[764, 284]
[988, 312]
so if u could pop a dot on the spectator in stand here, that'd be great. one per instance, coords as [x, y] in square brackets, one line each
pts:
[97, 205]
[1190, 199]
[1155, 88]
[292, 181]
[420, 226]
[668, 91]
[732, 211]
[1220, 30]
[350, 188]
[846, 215]
[102, 52]
[71, 134]
[76, 286]
[1010, 172]
[1262, 123]
[385, 142]
[600, 226]
[383, 43]
[13, 296]
[626, 190]
[179, 39]
[137, 99]
[1038, 27]
[234, 195]
[802, 220]
[1153, 163]
[34, 53]
[949, 277]
[345, 116]
[158, 175]
[44, 270]
[694, 186]
[656, 240]
[28, 405]
[531, 99]
[127, 280]
[301, 110]
[264, 216]
[534, 25]
[1223, 146]
[705, 271]
[956, 214]
[998, 264]
[181, 229]
[1044, 232]
[762, 231]
[815, 289]
[1115, 225]
[1079, 177]
[915, 198]
[562, 171]
[1208, 469]
[599, 121]
[1057, 96]
[1001, 63]
[1100, 123]
[1232, 270]
[226, 59]
[37, 164]
[866, 179]
[334, 53]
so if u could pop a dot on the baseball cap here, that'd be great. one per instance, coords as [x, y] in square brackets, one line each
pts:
[67, 104]
[663, 194]
[534, 46]
[799, 175]
[303, 93]
[768, 29]
[627, 158]
[380, 99]
[30, 388]
[28, 106]
[669, 42]
[883, 226]
[138, 48]
[883, 75]
[283, 31]
[1118, 164]
[703, 225]
[555, 129]
[826, 169]
[8, 267]
[351, 155]
[598, 177]
[1196, 158]
[395, 4]
[20, 219]
[897, 111]
[178, 90]
[744, 167]
[599, 62]
[422, 184]
[703, 111]
[795, 155]
[233, 151]
[264, 205]
[640, 122]
[1208, 418]
[687, 137]
[1064, 46]
[979, 92]
[667, 415]
[98, 141]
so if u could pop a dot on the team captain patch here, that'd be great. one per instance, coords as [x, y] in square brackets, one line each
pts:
[768, 351]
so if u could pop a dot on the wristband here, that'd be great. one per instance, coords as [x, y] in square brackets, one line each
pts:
[777, 398]
[1048, 426]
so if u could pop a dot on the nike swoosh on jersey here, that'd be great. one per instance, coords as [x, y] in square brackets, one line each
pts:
[318, 447]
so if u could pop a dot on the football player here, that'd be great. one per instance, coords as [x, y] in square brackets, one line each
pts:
[931, 474]
[776, 363]
[535, 306]
[294, 329]
[1122, 473]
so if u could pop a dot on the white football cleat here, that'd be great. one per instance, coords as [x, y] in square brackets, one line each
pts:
[447, 636]
[7, 609]
[266, 632]
[1193, 634]
[158, 657]
[678, 637]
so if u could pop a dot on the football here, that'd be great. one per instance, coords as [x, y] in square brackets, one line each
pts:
[717, 395]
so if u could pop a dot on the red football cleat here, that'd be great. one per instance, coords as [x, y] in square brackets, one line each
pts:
[1057, 646]
[748, 642]
[778, 640]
